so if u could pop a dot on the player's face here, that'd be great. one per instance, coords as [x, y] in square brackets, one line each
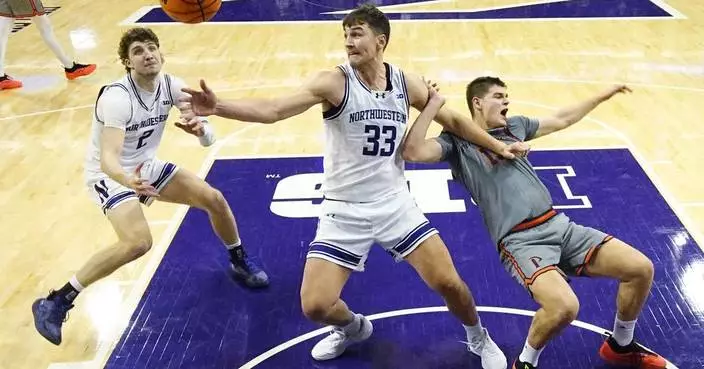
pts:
[493, 107]
[145, 58]
[361, 44]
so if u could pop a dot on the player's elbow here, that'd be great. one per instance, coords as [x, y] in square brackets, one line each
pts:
[413, 153]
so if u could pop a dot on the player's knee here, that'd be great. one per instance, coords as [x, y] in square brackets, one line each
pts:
[448, 285]
[138, 246]
[314, 308]
[564, 308]
[214, 200]
[642, 268]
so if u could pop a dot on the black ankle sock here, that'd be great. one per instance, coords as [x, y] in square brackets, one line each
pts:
[3, 77]
[67, 293]
[73, 67]
[618, 348]
[237, 253]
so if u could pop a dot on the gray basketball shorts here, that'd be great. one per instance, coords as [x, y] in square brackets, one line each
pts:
[549, 242]
[21, 8]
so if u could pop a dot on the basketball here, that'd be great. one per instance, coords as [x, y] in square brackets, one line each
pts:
[191, 11]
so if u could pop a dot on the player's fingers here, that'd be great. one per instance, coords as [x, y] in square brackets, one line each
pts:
[205, 87]
[190, 92]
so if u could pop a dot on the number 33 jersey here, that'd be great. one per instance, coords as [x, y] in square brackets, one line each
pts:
[362, 161]
[140, 113]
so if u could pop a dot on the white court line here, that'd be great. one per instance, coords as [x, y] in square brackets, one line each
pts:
[668, 8]
[389, 314]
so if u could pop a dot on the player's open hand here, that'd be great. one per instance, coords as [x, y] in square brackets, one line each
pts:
[193, 126]
[141, 186]
[202, 103]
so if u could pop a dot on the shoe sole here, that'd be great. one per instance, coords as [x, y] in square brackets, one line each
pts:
[35, 307]
[364, 338]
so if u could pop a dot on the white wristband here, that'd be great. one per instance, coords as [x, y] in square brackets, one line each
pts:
[208, 137]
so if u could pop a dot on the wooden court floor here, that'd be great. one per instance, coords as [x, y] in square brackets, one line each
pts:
[49, 225]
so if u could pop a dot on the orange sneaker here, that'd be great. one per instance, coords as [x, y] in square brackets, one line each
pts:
[633, 355]
[79, 70]
[7, 83]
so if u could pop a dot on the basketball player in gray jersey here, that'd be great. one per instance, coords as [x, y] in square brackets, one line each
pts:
[365, 109]
[538, 246]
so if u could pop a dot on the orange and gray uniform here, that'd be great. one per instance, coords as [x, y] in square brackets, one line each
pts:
[517, 208]
[21, 8]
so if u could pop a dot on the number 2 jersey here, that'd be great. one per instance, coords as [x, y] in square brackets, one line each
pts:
[362, 161]
[140, 113]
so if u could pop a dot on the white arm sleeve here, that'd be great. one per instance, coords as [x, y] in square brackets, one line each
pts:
[114, 107]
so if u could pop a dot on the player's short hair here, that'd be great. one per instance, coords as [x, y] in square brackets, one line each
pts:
[370, 15]
[480, 87]
[137, 34]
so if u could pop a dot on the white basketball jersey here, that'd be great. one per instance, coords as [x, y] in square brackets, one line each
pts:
[143, 130]
[362, 161]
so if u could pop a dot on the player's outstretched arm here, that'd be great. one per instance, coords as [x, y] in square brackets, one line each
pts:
[454, 122]
[314, 91]
[572, 114]
[416, 148]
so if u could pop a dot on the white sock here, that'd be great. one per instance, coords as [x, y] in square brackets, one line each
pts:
[475, 333]
[530, 355]
[353, 327]
[623, 331]
[76, 284]
[44, 26]
[237, 243]
[5, 30]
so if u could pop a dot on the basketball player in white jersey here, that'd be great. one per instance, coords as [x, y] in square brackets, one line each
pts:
[365, 111]
[122, 172]
[10, 9]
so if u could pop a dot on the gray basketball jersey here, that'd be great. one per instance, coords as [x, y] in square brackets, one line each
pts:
[507, 191]
[362, 161]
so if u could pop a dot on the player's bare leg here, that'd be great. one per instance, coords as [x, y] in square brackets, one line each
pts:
[187, 188]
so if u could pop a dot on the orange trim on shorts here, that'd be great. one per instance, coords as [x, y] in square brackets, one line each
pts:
[510, 257]
[526, 280]
[590, 255]
[530, 223]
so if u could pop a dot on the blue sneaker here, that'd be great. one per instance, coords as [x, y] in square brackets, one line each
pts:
[49, 315]
[249, 272]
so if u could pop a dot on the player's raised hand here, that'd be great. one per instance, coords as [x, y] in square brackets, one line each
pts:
[139, 185]
[202, 103]
[193, 126]
[434, 92]
[616, 89]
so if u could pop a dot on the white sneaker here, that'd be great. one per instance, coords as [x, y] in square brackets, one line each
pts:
[492, 357]
[335, 344]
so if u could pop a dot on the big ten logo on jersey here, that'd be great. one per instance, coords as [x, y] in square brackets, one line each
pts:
[300, 195]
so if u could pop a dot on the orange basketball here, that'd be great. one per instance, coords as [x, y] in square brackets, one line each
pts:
[191, 11]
